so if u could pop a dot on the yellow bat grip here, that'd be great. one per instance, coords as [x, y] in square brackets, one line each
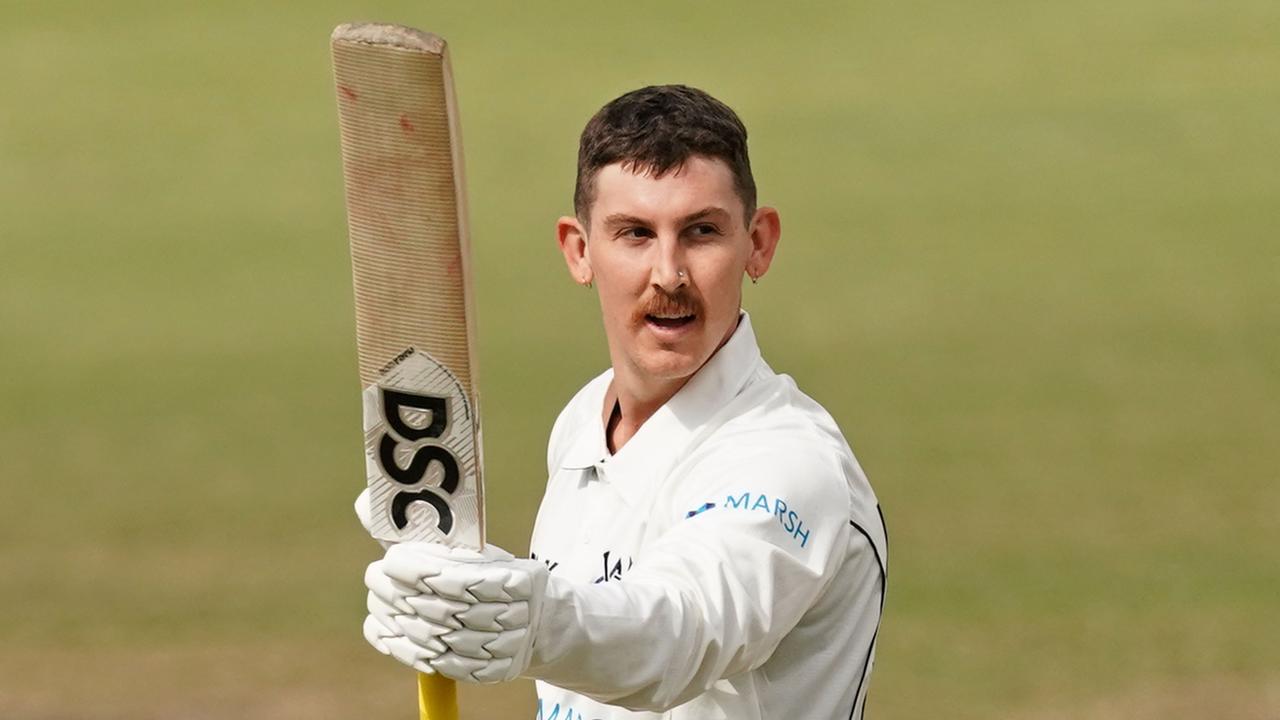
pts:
[437, 697]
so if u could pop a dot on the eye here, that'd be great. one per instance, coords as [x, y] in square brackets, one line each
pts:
[705, 230]
[636, 232]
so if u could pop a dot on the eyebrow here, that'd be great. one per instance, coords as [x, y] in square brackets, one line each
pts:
[620, 219]
[703, 214]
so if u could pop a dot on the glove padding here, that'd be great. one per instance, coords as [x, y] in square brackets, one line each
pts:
[467, 615]
[364, 513]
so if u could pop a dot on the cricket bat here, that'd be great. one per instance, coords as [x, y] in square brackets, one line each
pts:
[415, 329]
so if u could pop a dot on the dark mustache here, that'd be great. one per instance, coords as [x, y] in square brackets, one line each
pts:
[664, 303]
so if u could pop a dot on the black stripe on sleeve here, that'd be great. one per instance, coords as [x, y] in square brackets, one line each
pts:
[884, 583]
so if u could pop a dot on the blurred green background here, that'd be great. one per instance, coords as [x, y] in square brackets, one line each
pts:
[1030, 263]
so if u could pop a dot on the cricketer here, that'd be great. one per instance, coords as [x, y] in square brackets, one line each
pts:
[707, 545]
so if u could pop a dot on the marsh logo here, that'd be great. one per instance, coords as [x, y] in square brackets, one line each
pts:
[398, 432]
[698, 511]
[760, 502]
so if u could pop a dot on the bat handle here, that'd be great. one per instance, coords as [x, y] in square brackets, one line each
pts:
[437, 697]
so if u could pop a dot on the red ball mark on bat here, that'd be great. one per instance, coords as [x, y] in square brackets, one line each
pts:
[348, 93]
[405, 125]
[455, 265]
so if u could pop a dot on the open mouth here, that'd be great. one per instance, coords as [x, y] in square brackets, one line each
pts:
[670, 322]
[670, 315]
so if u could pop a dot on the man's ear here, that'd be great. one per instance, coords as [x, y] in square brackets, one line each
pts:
[766, 230]
[572, 238]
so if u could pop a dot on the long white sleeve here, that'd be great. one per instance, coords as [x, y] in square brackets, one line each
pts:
[711, 598]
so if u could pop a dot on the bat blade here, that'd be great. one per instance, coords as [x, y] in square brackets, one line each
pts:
[407, 221]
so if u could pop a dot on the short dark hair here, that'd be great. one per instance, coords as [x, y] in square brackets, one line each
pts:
[656, 129]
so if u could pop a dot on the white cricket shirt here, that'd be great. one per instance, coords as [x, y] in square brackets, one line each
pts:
[727, 562]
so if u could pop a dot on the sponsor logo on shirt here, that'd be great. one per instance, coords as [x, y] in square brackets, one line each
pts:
[559, 712]
[614, 571]
[705, 507]
[760, 502]
[551, 564]
[612, 566]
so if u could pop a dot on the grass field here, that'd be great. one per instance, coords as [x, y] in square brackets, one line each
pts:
[1031, 263]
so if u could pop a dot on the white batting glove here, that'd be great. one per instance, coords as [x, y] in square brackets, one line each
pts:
[383, 632]
[466, 615]
[364, 512]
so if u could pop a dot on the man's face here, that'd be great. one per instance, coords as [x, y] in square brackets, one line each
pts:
[668, 255]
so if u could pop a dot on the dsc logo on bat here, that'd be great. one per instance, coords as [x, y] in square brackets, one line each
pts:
[397, 405]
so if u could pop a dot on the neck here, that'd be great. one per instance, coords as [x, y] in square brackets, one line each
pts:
[633, 398]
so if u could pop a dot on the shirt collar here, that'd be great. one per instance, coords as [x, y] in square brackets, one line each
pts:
[661, 440]
[588, 448]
